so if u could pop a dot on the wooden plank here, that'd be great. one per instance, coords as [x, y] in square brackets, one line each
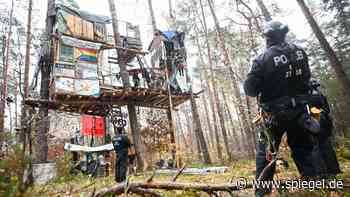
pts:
[153, 99]
[90, 29]
[78, 26]
[162, 100]
[110, 96]
[70, 24]
[125, 93]
[148, 98]
[81, 107]
[164, 103]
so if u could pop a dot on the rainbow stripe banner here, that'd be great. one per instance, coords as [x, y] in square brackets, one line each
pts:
[87, 55]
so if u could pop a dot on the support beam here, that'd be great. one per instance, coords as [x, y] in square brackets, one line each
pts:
[170, 118]
[41, 135]
[135, 130]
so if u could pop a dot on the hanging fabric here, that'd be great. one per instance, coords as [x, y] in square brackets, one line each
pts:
[92, 126]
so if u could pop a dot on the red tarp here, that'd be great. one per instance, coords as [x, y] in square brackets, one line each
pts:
[92, 126]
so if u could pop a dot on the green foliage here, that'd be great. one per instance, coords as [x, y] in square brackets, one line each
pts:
[63, 166]
[344, 149]
[12, 168]
[181, 194]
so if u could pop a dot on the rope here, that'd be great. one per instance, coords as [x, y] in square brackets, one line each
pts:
[271, 145]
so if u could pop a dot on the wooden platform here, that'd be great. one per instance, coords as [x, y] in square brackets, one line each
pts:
[110, 96]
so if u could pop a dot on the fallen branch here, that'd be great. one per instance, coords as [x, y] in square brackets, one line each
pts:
[209, 188]
[150, 179]
[145, 191]
[178, 173]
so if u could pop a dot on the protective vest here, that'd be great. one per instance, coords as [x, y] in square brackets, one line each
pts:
[282, 70]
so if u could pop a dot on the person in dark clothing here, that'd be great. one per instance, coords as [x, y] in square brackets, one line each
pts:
[121, 144]
[280, 78]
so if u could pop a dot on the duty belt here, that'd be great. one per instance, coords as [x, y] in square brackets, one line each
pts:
[287, 103]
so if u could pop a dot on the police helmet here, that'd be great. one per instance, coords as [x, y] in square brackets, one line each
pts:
[275, 30]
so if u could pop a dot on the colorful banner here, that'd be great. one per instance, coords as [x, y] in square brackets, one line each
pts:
[64, 70]
[86, 55]
[86, 71]
[87, 87]
[64, 85]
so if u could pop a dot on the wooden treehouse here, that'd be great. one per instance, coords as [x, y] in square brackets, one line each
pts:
[86, 77]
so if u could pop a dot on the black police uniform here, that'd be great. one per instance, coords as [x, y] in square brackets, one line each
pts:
[282, 71]
[280, 77]
[121, 144]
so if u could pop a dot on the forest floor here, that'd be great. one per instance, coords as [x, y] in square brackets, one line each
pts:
[82, 186]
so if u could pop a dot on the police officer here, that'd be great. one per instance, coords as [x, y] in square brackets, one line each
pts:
[277, 76]
[121, 144]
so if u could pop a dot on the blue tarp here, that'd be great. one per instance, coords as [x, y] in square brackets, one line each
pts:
[169, 34]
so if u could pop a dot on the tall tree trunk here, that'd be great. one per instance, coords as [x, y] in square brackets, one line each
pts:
[171, 126]
[204, 103]
[213, 95]
[265, 12]
[181, 130]
[245, 142]
[229, 126]
[41, 143]
[16, 98]
[2, 105]
[198, 130]
[24, 124]
[171, 14]
[234, 131]
[227, 63]
[170, 110]
[189, 132]
[5, 78]
[134, 125]
[332, 57]
[215, 124]
[135, 131]
[222, 123]
[203, 148]
[25, 131]
[153, 19]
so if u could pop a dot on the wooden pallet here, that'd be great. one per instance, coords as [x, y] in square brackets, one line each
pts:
[116, 96]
